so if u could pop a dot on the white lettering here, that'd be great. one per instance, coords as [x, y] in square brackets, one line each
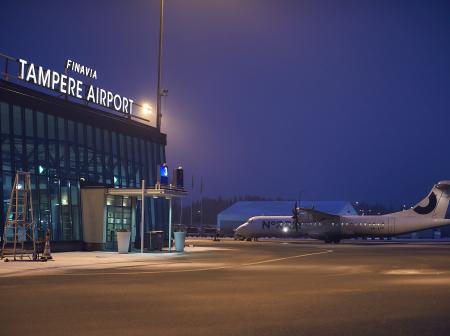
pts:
[71, 87]
[90, 95]
[102, 97]
[125, 105]
[97, 97]
[79, 89]
[63, 85]
[117, 106]
[110, 98]
[22, 68]
[55, 79]
[31, 73]
[44, 77]
[131, 105]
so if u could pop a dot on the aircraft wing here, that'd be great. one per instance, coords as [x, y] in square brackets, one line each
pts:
[316, 216]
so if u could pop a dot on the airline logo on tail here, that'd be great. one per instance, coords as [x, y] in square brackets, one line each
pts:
[425, 210]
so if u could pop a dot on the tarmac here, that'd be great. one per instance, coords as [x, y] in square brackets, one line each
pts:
[234, 288]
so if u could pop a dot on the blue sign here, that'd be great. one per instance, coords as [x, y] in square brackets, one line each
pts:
[163, 174]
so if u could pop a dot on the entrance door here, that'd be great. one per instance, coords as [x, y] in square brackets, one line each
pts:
[118, 216]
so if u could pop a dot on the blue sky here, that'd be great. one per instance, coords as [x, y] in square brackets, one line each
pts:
[345, 100]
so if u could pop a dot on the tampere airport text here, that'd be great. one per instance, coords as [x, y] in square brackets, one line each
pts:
[73, 87]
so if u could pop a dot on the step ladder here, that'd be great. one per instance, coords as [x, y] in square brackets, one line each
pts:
[19, 231]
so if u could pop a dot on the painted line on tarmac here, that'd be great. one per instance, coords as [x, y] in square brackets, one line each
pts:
[285, 258]
[176, 271]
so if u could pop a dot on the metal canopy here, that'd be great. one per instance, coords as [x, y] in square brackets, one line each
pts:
[156, 192]
[148, 192]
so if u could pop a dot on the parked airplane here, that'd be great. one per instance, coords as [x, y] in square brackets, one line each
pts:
[431, 212]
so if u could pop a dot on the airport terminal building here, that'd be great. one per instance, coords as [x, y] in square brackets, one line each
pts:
[69, 146]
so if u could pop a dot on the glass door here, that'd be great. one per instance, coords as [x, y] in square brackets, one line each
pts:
[118, 217]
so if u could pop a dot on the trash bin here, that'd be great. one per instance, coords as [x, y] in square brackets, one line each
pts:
[180, 237]
[123, 241]
[156, 240]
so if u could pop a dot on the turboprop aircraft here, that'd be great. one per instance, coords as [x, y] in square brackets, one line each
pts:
[433, 211]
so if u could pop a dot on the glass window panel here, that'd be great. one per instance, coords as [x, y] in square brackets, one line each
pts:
[62, 155]
[17, 117]
[106, 141]
[74, 193]
[80, 130]
[90, 141]
[52, 154]
[70, 131]
[136, 150]
[91, 161]
[4, 110]
[29, 129]
[122, 147]
[98, 140]
[129, 148]
[61, 129]
[41, 153]
[40, 124]
[82, 162]
[51, 127]
[72, 157]
[114, 143]
[6, 155]
[18, 153]
[30, 151]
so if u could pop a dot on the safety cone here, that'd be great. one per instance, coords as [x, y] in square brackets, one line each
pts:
[47, 253]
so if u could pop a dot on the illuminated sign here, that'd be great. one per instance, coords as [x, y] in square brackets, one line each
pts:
[74, 87]
[81, 69]
[163, 174]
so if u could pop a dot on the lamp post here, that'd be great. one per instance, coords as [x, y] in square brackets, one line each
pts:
[160, 91]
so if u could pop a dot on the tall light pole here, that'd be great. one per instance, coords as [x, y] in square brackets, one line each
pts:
[160, 92]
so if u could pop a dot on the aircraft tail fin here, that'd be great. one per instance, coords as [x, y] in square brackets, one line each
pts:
[436, 204]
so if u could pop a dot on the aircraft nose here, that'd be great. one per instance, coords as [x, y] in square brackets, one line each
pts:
[242, 230]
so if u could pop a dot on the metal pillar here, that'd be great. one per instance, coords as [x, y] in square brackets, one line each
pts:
[160, 93]
[170, 224]
[142, 215]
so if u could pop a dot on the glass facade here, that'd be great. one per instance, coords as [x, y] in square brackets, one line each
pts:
[64, 153]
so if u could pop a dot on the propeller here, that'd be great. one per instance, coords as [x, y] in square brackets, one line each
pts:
[295, 216]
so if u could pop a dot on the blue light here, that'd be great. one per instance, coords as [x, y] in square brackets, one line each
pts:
[163, 174]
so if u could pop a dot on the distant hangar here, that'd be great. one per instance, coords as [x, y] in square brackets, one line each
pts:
[237, 214]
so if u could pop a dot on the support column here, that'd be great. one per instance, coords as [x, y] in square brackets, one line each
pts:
[142, 215]
[170, 224]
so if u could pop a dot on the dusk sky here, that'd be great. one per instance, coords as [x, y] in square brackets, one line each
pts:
[345, 100]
